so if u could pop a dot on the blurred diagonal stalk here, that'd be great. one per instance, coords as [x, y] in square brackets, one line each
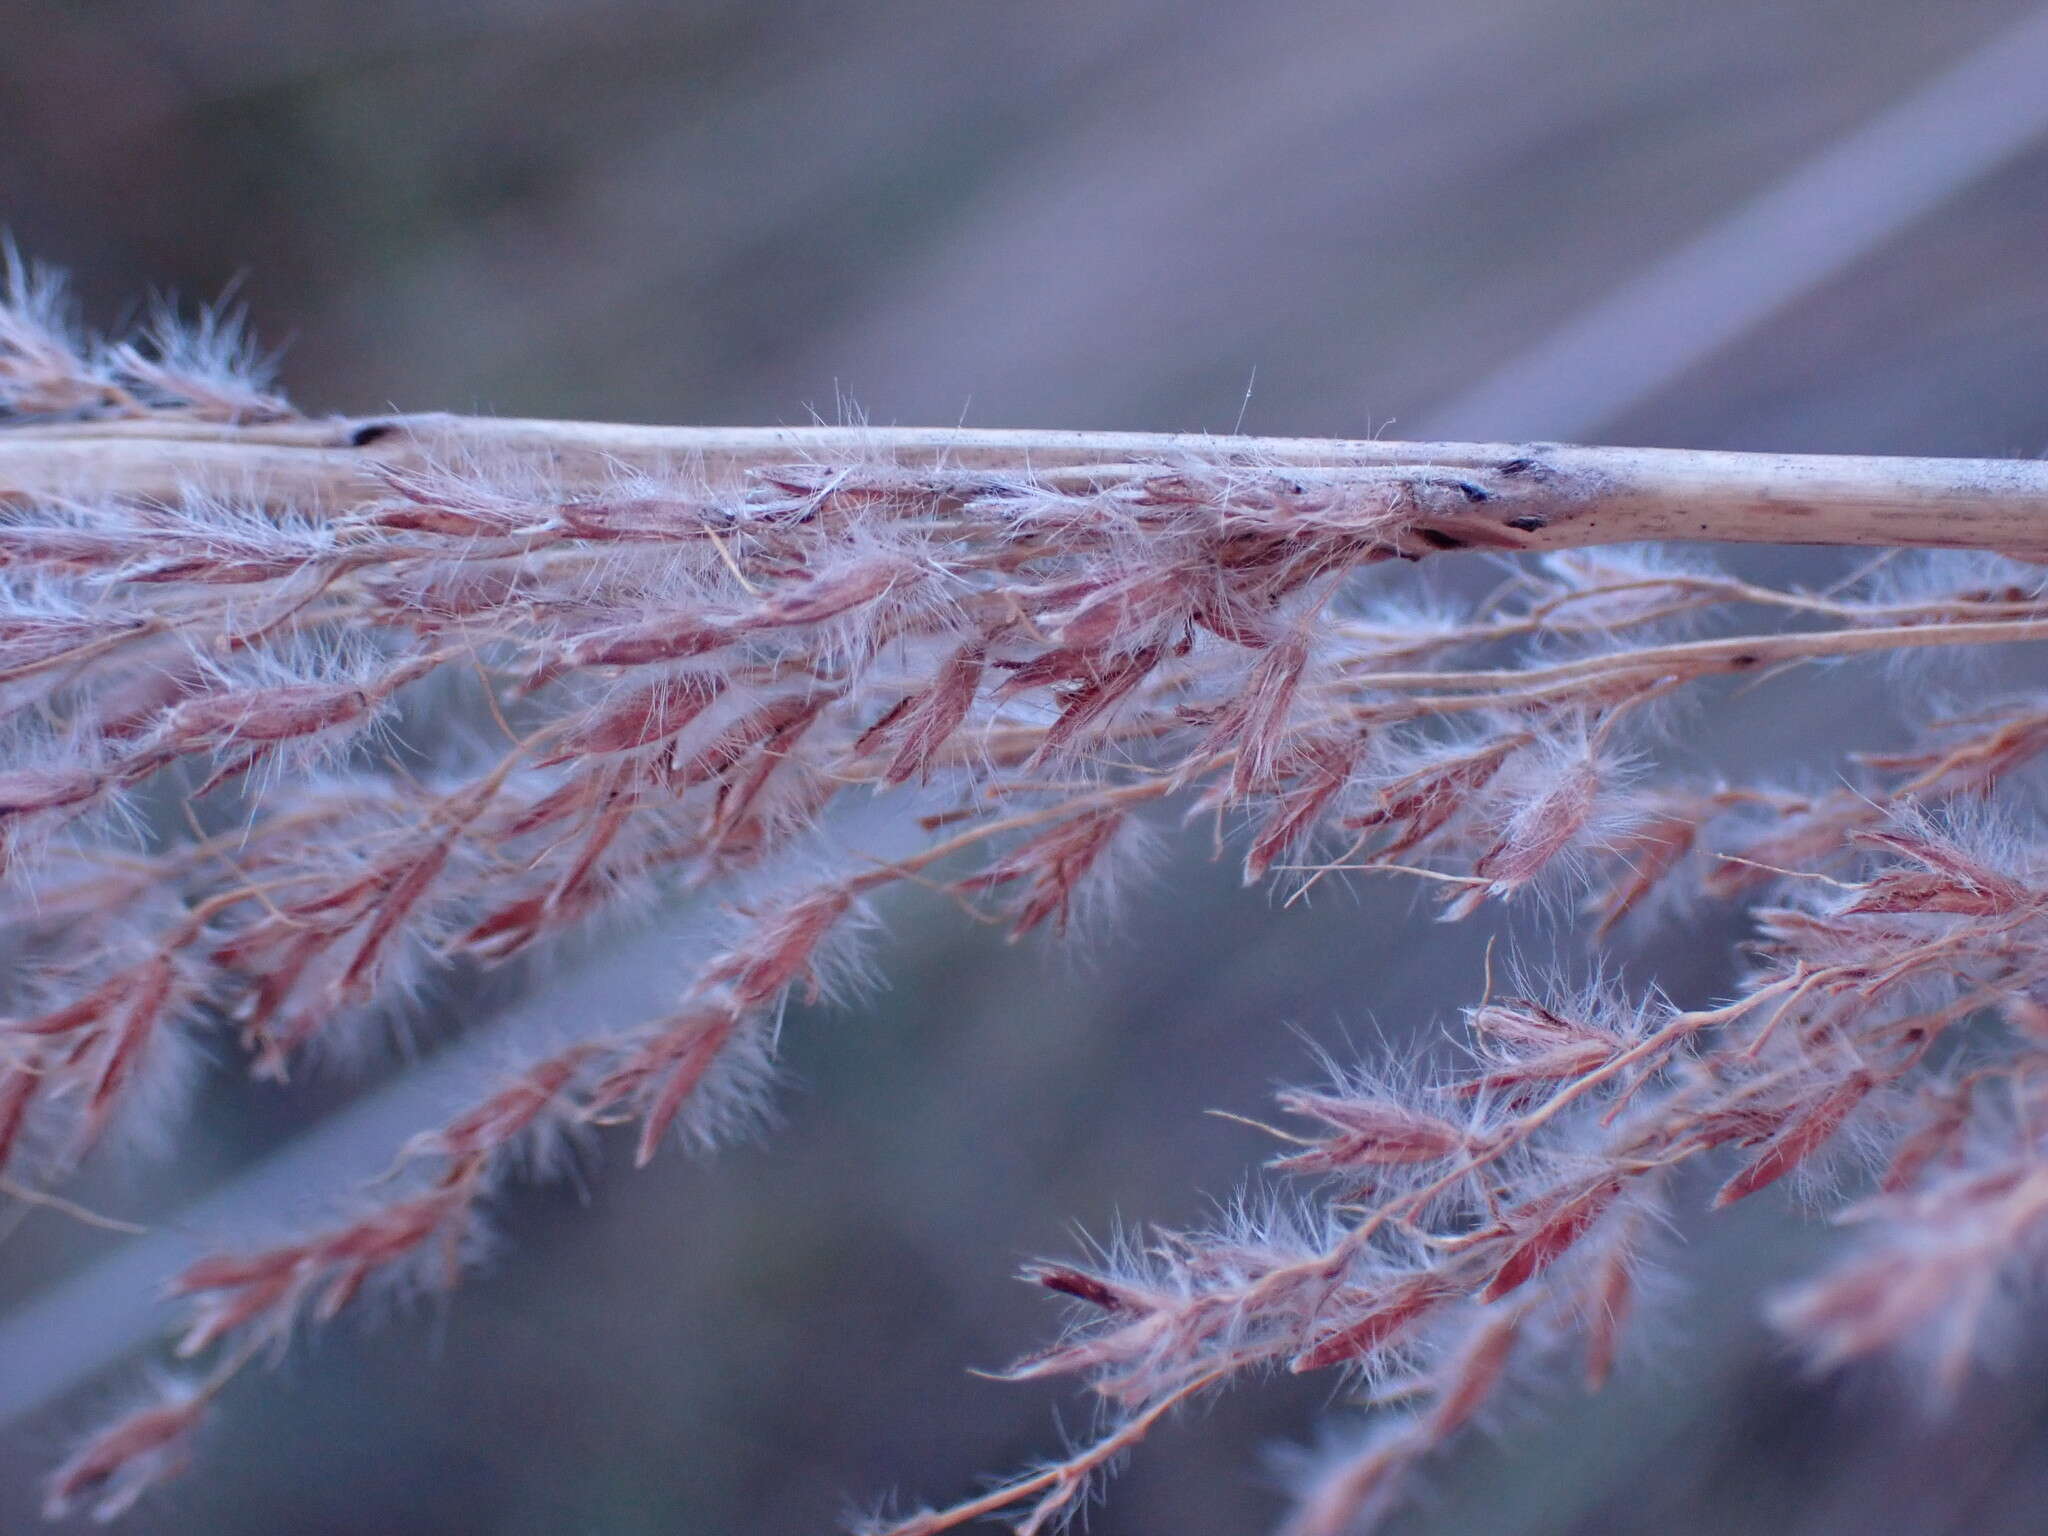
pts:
[1830, 212]
[1530, 496]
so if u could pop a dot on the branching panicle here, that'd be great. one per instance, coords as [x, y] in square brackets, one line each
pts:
[273, 768]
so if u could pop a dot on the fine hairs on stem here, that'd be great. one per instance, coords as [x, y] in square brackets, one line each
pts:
[300, 714]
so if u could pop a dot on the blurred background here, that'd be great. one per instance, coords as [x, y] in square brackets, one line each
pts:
[1788, 224]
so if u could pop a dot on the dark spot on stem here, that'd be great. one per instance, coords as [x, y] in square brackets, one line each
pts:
[1744, 660]
[1528, 522]
[369, 432]
[1436, 538]
[1518, 466]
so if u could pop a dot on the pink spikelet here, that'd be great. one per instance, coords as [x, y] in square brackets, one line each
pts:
[124, 1461]
[1049, 868]
[779, 952]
